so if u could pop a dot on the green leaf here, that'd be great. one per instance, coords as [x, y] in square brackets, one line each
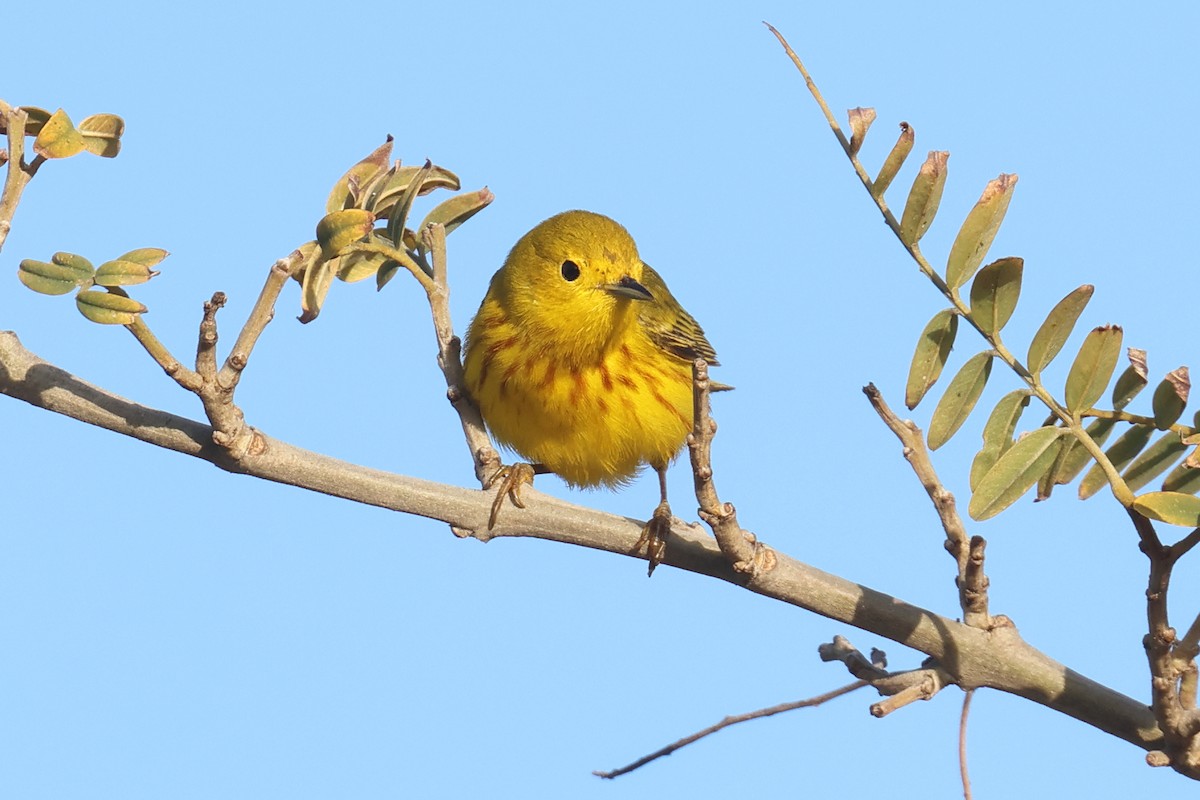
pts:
[924, 197]
[108, 308]
[933, 348]
[102, 134]
[1131, 381]
[385, 274]
[318, 277]
[58, 138]
[355, 267]
[1122, 451]
[1057, 328]
[65, 273]
[1182, 479]
[1172, 508]
[994, 293]
[960, 398]
[403, 177]
[1093, 368]
[340, 229]
[342, 195]
[399, 212]
[978, 230]
[998, 433]
[1154, 461]
[1015, 472]
[123, 273]
[1170, 398]
[146, 256]
[895, 160]
[458, 209]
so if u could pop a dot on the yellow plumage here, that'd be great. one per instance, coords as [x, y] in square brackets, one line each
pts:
[580, 358]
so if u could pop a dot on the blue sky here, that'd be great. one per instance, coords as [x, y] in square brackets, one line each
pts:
[174, 631]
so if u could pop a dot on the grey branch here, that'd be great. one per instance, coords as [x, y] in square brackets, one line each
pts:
[998, 658]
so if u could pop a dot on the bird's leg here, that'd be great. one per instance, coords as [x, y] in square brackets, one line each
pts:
[654, 533]
[511, 480]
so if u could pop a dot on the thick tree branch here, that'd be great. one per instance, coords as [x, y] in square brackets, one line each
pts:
[997, 659]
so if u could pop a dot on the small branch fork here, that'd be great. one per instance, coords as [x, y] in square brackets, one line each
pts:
[215, 387]
[1173, 672]
[898, 688]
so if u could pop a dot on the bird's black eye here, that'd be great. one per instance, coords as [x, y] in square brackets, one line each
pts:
[570, 270]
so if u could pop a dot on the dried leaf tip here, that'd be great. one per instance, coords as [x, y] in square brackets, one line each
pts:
[860, 123]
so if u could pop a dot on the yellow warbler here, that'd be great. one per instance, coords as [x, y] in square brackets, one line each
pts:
[580, 360]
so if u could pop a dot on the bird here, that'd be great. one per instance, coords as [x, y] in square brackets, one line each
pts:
[580, 360]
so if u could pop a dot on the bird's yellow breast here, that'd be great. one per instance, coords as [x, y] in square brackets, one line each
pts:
[591, 422]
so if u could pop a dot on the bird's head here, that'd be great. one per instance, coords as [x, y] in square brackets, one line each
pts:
[576, 281]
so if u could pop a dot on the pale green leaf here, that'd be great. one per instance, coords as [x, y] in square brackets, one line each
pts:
[978, 230]
[924, 198]
[1056, 329]
[1093, 368]
[960, 398]
[1015, 473]
[933, 348]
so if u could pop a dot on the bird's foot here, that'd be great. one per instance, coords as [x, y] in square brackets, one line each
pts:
[511, 479]
[654, 536]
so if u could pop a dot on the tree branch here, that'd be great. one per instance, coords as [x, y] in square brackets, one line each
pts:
[972, 583]
[997, 659]
[725, 723]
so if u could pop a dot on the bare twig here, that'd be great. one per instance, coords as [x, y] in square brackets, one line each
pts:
[260, 316]
[19, 172]
[437, 289]
[185, 377]
[1172, 663]
[971, 581]
[962, 743]
[899, 688]
[725, 723]
[744, 551]
[919, 684]
[206, 347]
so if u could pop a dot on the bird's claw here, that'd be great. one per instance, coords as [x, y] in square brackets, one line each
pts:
[511, 480]
[654, 536]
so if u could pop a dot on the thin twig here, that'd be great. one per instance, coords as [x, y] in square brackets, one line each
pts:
[962, 744]
[19, 173]
[744, 551]
[206, 346]
[260, 316]
[923, 684]
[437, 289]
[726, 722]
[899, 688]
[971, 581]
[185, 377]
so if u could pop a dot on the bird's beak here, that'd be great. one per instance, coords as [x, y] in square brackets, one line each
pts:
[628, 287]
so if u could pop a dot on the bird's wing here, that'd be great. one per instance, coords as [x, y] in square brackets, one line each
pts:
[669, 325]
